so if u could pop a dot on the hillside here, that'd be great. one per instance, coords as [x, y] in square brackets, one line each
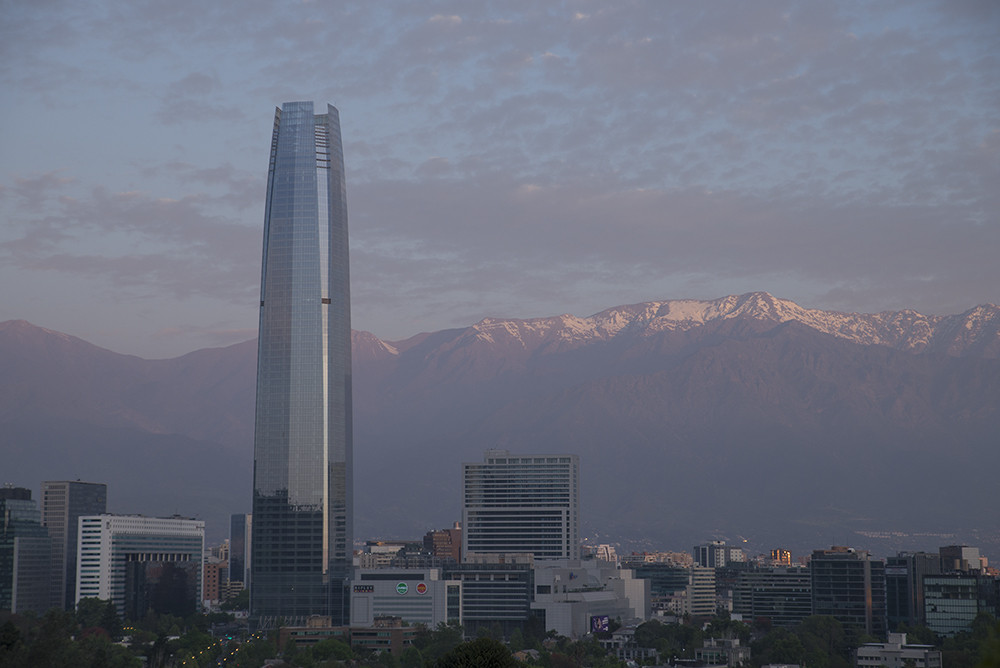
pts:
[743, 416]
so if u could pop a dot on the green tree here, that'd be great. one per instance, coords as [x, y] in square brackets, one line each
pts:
[50, 641]
[969, 649]
[824, 641]
[534, 632]
[89, 612]
[98, 650]
[239, 602]
[516, 643]
[110, 622]
[387, 660]
[494, 631]
[10, 635]
[989, 649]
[434, 644]
[724, 627]
[670, 640]
[411, 658]
[480, 653]
[560, 660]
[332, 648]
[13, 651]
[919, 635]
[778, 646]
[253, 654]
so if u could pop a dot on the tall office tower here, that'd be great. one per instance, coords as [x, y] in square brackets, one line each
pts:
[301, 547]
[716, 554]
[25, 553]
[63, 503]
[141, 563]
[711, 554]
[781, 557]
[522, 503]
[780, 594]
[849, 585]
[904, 586]
[239, 547]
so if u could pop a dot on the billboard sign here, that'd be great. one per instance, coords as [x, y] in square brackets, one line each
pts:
[599, 623]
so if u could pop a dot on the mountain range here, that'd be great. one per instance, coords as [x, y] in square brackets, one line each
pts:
[745, 418]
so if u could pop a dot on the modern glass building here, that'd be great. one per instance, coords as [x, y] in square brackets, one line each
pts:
[952, 601]
[239, 547]
[63, 503]
[25, 553]
[522, 504]
[301, 545]
[904, 586]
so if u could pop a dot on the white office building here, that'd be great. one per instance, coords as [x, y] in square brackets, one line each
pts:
[120, 558]
[415, 595]
[581, 597]
[522, 504]
[897, 654]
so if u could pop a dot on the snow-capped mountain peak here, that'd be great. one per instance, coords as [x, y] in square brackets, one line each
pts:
[908, 330]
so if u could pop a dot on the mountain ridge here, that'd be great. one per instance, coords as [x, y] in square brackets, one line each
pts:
[905, 330]
[736, 398]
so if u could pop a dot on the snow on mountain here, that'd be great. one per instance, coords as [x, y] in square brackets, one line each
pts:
[368, 346]
[977, 329]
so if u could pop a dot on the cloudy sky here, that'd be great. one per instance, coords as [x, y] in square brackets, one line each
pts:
[512, 159]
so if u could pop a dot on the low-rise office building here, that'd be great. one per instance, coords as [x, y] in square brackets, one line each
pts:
[385, 634]
[722, 652]
[579, 597]
[623, 646]
[897, 654]
[416, 596]
[496, 591]
[678, 590]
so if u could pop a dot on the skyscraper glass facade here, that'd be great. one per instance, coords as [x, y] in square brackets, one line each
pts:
[25, 551]
[239, 547]
[302, 505]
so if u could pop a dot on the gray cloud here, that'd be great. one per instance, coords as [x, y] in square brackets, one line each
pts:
[516, 158]
[160, 246]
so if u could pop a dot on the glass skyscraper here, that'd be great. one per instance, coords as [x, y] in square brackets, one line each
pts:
[302, 539]
[25, 551]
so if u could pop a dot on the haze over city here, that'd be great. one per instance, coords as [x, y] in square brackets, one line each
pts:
[622, 281]
[502, 159]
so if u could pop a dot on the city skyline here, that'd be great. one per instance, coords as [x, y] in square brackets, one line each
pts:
[303, 521]
[506, 161]
[194, 403]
